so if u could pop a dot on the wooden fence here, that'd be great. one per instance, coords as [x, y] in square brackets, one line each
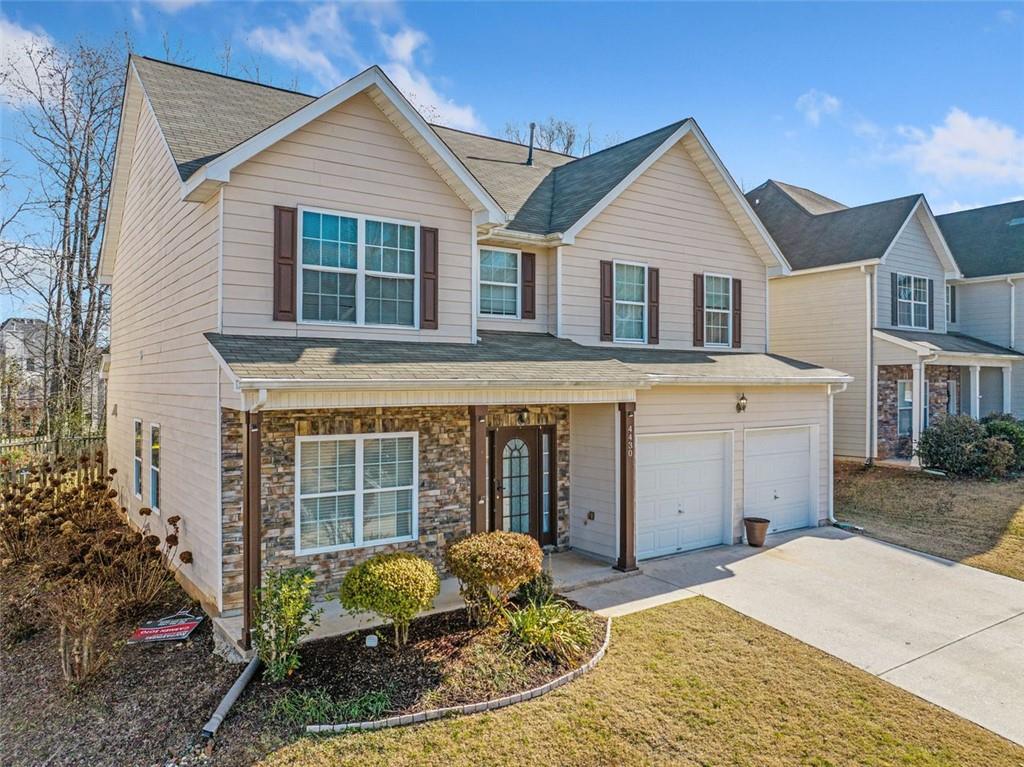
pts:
[16, 455]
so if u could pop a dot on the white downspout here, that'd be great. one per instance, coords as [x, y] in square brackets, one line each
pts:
[832, 452]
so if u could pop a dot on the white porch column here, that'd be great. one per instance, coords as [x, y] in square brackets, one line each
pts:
[917, 388]
[975, 400]
[1007, 390]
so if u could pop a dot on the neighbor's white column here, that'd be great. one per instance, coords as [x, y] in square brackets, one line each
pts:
[1007, 390]
[975, 400]
[917, 389]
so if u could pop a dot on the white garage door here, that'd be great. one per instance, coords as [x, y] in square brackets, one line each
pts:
[682, 492]
[777, 475]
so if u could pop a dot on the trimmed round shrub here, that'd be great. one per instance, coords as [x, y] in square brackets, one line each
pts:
[947, 444]
[490, 567]
[397, 587]
[992, 457]
[1010, 429]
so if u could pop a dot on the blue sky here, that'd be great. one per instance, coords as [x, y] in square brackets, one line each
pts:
[859, 101]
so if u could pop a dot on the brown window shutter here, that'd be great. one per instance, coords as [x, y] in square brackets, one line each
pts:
[284, 263]
[931, 304]
[737, 314]
[653, 292]
[428, 278]
[698, 310]
[607, 301]
[895, 300]
[529, 266]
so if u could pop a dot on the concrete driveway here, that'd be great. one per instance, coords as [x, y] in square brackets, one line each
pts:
[949, 633]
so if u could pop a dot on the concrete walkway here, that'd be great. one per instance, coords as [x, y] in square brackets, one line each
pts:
[949, 633]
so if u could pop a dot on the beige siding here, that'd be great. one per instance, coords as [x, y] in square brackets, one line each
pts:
[673, 219]
[822, 318]
[912, 253]
[667, 410]
[351, 160]
[545, 292]
[592, 477]
[163, 297]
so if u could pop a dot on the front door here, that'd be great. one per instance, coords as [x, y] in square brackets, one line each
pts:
[523, 481]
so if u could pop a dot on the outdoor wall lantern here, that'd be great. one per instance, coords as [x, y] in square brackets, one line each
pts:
[741, 404]
[523, 417]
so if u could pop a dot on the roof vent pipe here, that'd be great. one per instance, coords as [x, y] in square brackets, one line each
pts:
[529, 157]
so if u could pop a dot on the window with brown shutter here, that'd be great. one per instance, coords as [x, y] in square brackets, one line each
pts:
[428, 278]
[284, 264]
[698, 310]
[653, 291]
[607, 301]
[529, 266]
[737, 306]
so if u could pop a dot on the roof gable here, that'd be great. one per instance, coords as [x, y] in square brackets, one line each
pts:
[986, 241]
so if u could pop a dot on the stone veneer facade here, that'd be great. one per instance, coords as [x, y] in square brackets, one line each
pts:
[444, 492]
[890, 444]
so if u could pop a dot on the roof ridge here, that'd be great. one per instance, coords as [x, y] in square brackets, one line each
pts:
[502, 140]
[222, 76]
[980, 207]
[623, 143]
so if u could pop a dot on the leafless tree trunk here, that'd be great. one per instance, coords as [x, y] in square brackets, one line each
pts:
[68, 104]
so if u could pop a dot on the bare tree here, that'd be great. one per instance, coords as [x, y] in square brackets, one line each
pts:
[174, 50]
[12, 257]
[67, 103]
[224, 56]
[554, 135]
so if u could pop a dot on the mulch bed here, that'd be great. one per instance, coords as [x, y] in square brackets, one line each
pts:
[149, 702]
[447, 662]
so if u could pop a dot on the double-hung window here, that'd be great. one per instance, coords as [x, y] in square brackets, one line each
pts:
[630, 302]
[137, 460]
[355, 491]
[912, 301]
[499, 282]
[904, 408]
[717, 310]
[154, 466]
[358, 270]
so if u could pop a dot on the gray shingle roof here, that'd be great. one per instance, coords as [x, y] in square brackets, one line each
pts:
[843, 236]
[949, 342]
[203, 115]
[501, 358]
[986, 241]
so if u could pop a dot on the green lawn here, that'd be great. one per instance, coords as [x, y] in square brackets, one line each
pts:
[691, 683]
[977, 522]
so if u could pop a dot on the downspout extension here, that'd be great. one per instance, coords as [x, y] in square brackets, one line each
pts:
[211, 727]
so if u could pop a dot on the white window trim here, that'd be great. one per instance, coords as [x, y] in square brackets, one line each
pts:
[361, 272]
[518, 286]
[138, 463]
[155, 506]
[912, 301]
[908, 384]
[728, 312]
[645, 304]
[358, 492]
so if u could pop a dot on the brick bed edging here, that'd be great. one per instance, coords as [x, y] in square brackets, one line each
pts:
[473, 708]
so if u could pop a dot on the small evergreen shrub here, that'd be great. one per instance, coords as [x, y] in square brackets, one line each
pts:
[490, 567]
[397, 587]
[284, 613]
[550, 629]
[1010, 429]
[992, 457]
[541, 588]
[946, 444]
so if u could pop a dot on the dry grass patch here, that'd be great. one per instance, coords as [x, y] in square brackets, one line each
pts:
[977, 522]
[692, 683]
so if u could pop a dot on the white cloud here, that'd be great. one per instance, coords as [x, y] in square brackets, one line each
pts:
[173, 6]
[1007, 16]
[965, 148]
[16, 43]
[816, 104]
[327, 45]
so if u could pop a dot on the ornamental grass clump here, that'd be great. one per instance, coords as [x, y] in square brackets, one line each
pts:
[549, 629]
[490, 567]
[397, 587]
[284, 613]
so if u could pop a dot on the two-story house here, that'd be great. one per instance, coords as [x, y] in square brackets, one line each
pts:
[871, 292]
[339, 330]
[988, 244]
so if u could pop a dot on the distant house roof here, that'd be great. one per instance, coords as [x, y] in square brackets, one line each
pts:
[811, 235]
[986, 241]
[203, 115]
[956, 343]
[499, 359]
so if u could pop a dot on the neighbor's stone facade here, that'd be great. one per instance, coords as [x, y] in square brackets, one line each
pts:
[890, 444]
[444, 482]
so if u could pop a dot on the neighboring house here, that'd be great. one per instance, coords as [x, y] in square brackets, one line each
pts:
[338, 330]
[22, 362]
[869, 293]
[988, 244]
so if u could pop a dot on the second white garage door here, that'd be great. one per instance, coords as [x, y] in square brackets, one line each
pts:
[682, 492]
[777, 472]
